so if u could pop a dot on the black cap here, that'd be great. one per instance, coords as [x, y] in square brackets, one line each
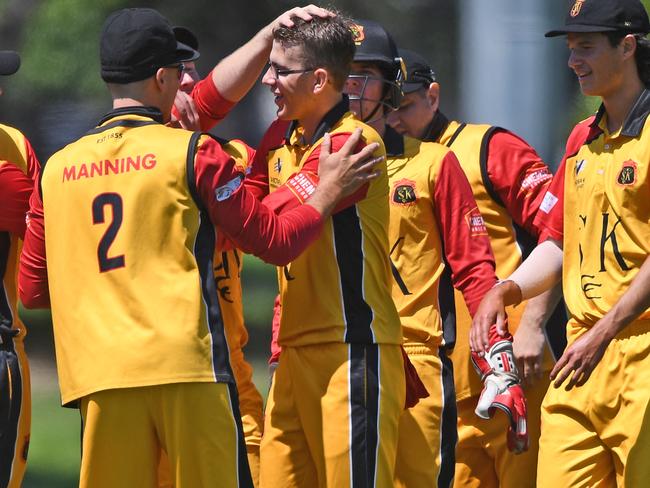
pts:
[418, 72]
[604, 16]
[189, 40]
[374, 44]
[9, 62]
[135, 42]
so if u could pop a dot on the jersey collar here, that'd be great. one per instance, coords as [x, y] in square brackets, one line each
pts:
[436, 128]
[393, 141]
[634, 121]
[326, 124]
[149, 112]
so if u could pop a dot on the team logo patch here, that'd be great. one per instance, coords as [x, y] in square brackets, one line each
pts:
[548, 202]
[580, 165]
[535, 178]
[627, 175]
[404, 193]
[225, 192]
[476, 223]
[357, 33]
[575, 10]
[303, 185]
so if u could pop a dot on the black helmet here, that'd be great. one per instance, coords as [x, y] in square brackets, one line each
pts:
[375, 45]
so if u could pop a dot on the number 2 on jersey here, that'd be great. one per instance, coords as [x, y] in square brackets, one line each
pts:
[115, 202]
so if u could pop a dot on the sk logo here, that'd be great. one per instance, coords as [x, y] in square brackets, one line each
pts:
[575, 10]
[404, 193]
[277, 166]
[627, 175]
[357, 33]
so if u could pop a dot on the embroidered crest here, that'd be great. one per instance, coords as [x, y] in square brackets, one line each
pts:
[627, 175]
[575, 10]
[357, 33]
[225, 192]
[404, 193]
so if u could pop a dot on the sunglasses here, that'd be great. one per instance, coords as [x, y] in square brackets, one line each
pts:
[180, 67]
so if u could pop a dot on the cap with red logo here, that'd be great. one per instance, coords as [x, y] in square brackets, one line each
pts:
[604, 16]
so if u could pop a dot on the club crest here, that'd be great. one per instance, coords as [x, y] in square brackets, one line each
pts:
[575, 10]
[357, 33]
[627, 175]
[404, 193]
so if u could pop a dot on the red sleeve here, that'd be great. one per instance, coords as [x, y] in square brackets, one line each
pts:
[550, 218]
[211, 106]
[32, 276]
[303, 183]
[519, 177]
[16, 188]
[465, 238]
[251, 226]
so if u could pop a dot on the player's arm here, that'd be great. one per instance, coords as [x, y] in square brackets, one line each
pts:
[303, 183]
[238, 72]
[254, 228]
[583, 355]
[32, 275]
[468, 252]
[14, 198]
[520, 179]
[232, 78]
[466, 243]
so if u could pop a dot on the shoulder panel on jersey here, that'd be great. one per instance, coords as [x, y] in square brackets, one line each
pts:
[487, 183]
[583, 133]
[13, 147]
[459, 129]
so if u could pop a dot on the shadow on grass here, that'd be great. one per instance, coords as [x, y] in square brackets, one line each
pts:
[42, 479]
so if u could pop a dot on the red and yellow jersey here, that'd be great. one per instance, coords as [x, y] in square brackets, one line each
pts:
[18, 172]
[227, 274]
[128, 215]
[434, 227]
[338, 290]
[508, 180]
[603, 210]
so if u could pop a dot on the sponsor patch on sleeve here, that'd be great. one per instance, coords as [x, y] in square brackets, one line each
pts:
[302, 185]
[475, 223]
[535, 178]
[548, 202]
[225, 192]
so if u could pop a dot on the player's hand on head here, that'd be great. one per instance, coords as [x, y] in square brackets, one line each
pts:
[580, 359]
[346, 170]
[528, 347]
[185, 112]
[305, 13]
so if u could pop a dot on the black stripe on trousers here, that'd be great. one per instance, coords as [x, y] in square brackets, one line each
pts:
[12, 399]
[244, 471]
[448, 424]
[364, 413]
[11, 381]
